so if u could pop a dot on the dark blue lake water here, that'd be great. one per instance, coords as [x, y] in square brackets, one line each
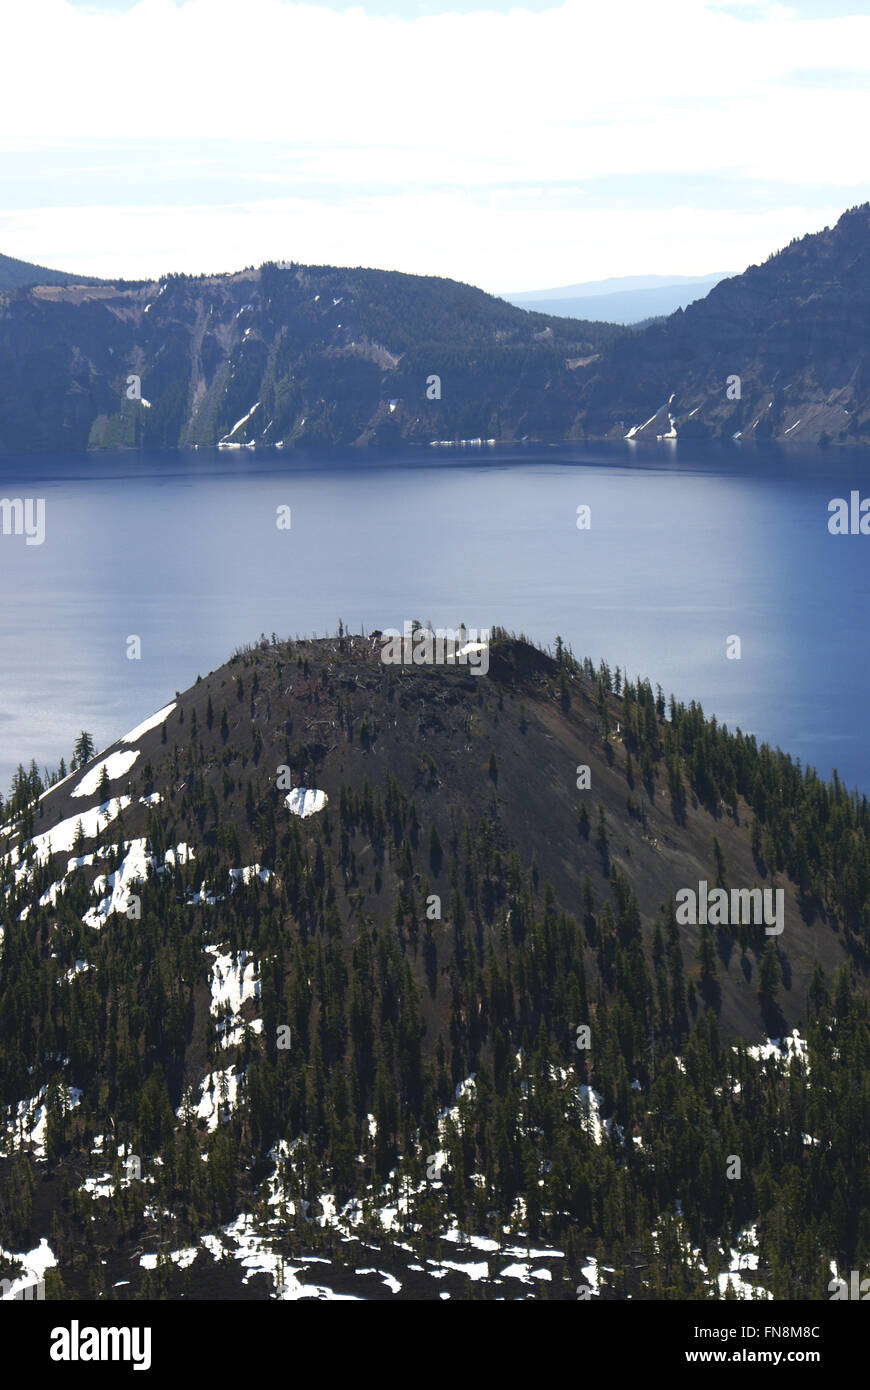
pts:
[688, 546]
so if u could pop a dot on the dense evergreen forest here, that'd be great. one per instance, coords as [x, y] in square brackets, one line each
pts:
[469, 1032]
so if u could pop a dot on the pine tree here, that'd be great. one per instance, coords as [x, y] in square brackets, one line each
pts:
[719, 860]
[770, 973]
[84, 749]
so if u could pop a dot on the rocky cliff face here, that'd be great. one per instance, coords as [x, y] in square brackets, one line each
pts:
[280, 356]
[780, 352]
[313, 355]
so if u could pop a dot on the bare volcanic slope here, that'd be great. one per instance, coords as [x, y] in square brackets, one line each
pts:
[506, 750]
[307, 961]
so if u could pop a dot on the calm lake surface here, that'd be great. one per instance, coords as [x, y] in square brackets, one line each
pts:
[687, 547]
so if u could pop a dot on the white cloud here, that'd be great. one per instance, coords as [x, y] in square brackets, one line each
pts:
[467, 114]
[499, 247]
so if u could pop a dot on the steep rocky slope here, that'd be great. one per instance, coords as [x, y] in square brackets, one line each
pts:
[281, 356]
[780, 352]
[321, 356]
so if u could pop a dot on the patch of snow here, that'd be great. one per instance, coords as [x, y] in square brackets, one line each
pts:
[458, 1237]
[782, 1050]
[637, 428]
[238, 425]
[182, 854]
[214, 1246]
[594, 1124]
[256, 1257]
[305, 801]
[517, 1251]
[148, 724]
[203, 897]
[116, 766]
[473, 1270]
[28, 1122]
[525, 1273]
[78, 969]
[61, 837]
[35, 1263]
[116, 890]
[184, 1257]
[248, 874]
[233, 981]
[210, 1107]
[672, 430]
[102, 1186]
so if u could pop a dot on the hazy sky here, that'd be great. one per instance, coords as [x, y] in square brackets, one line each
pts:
[516, 148]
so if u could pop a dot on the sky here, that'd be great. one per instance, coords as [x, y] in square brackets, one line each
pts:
[516, 148]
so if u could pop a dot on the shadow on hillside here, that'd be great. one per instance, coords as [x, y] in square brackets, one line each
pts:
[774, 1019]
[858, 952]
[711, 992]
[809, 909]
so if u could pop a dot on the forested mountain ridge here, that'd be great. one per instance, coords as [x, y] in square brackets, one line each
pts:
[281, 356]
[295, 974]
[777, 353]
[15, 273]
[315, 355]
